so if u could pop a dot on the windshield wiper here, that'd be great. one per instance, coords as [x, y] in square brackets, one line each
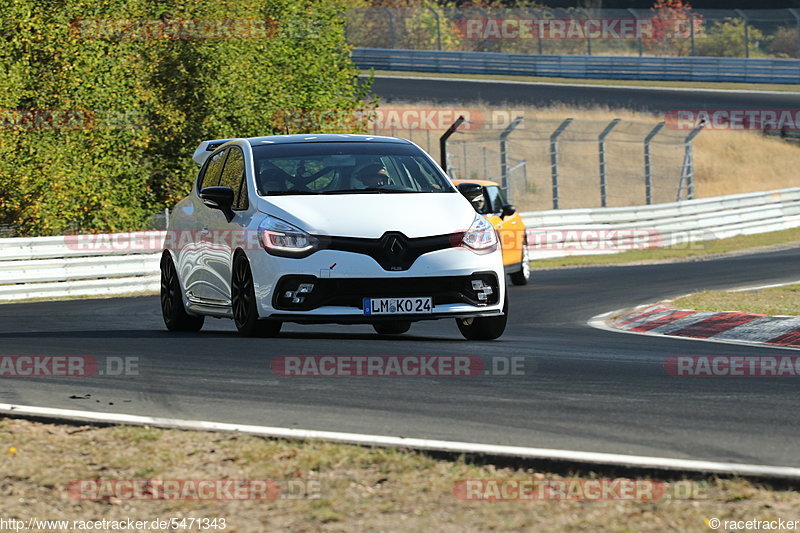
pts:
[378, 190]
[290, 191]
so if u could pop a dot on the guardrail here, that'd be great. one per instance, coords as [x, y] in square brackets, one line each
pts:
[119, 264]
[61, 267]
[712, 69]
[563, 232]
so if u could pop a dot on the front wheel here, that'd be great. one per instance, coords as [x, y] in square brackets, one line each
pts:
[243, 303]
[175, 316]
[392, 328]
[523, 275]
[485, 328]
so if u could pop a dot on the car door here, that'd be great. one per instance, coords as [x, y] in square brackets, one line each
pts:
[189, 240]
[195, 257]
[228, 235]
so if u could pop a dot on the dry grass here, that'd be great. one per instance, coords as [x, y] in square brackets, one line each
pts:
[725, 162]
[774, 301]
[362, 489]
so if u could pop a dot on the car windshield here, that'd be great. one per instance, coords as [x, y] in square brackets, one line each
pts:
[346, 168]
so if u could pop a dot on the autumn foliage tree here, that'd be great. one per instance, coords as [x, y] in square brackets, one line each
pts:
[674, 24]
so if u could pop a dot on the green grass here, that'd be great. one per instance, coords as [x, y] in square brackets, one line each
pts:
[693, 251]
[773, 301]
[629, 83]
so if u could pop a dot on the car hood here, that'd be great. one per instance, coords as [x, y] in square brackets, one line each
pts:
[372, 215]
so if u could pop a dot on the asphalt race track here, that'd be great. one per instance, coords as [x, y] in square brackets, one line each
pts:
[498, 92]
[583, 389]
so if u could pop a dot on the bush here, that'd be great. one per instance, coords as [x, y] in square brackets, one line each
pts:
[726, 39]
[97, 128]
[784, 42]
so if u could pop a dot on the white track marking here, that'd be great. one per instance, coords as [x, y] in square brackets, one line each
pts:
[638, 461]
[587, 85]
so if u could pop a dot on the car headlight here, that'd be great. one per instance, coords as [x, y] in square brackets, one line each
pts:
[283, 239]
[481, 237]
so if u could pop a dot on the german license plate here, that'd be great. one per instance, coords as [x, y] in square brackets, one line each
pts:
[398, 306]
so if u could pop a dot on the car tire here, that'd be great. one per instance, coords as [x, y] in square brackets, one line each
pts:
[392, 328]
[485, 328]
[523, 275]
[172, 310]
[243, 303]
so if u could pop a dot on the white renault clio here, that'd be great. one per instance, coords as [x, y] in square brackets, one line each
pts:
[341, 229]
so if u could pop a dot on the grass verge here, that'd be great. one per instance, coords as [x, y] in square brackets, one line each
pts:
[694, 251]
[773, 301]
[791, 88]
[360, 489]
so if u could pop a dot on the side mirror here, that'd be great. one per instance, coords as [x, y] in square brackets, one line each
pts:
[219, 198]
[509, 209]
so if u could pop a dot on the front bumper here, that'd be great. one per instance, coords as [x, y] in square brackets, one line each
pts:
[342, 280]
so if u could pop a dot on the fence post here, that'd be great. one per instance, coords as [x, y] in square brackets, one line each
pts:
[485, 167]
[746, 32]
[438, 28]
[636, 17]
[391, 26]
[539, 49]
[648, 180]
[503, 153]
[443, 141]
[554, 158]
[793, 11]
[601, 141]
[687, 170]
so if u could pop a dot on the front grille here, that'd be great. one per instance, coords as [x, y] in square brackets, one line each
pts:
[350, 292]
[393, 251]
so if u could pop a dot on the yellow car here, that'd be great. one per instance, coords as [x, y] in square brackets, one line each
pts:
[487, 199]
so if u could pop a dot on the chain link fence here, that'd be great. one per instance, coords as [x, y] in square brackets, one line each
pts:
[573, 163]
[577, 31]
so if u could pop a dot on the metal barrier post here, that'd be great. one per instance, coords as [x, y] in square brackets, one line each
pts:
[391, 26]
[746, 32]
[443, 141]
[554, 158]
[601, 141]
[793, 11]
[438, 28]
[687, 170]
[503, 153]
[648, 181]
[641, 46]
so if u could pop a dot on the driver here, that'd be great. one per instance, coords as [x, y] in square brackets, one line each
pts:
[373, 175]
[271, 180]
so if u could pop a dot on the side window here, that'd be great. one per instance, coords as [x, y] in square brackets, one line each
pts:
[233, 177]
[495, 199]
[213, 169]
